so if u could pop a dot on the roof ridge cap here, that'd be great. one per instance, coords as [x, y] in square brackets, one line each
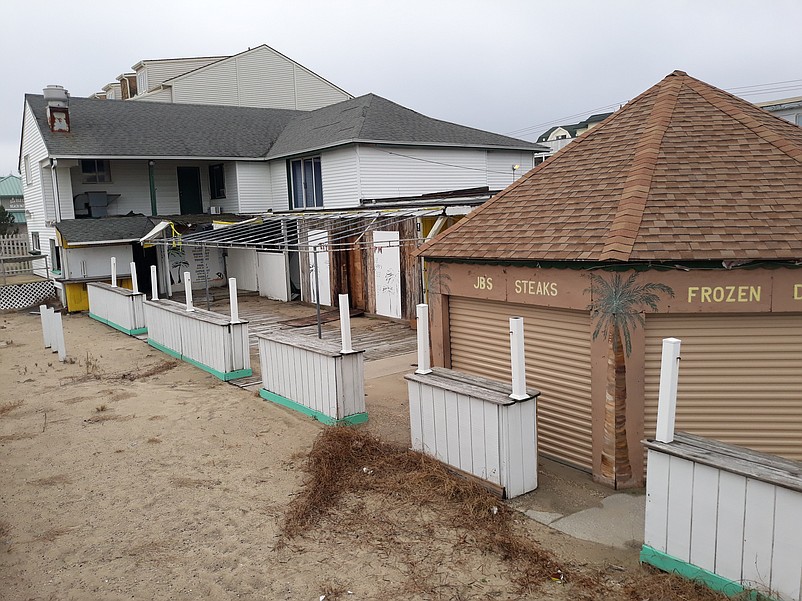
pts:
[724, 102]
[620, 238]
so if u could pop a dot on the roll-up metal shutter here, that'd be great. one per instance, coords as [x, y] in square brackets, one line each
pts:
[557, 363]
[740, 378]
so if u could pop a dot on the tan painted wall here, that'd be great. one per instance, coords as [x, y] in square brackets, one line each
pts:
[757, 290]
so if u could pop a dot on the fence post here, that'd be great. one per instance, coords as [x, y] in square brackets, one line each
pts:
[424, 362]
[114, 272]
[188, 291]
[154, 284]
[134, 281]
[45, 325]
[345, 324]
[517, 359]
[667, 399]
[59, 328]
[233, 301]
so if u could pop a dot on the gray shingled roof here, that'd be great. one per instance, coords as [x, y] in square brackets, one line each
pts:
[108, 128]
[83, 231]
[371, 118]
[155, 129]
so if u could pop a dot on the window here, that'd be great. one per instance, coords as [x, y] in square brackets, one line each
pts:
[306, 185]
[35, 241]
[95, 171]
[217, 181]
[538, 160]
[27, 161]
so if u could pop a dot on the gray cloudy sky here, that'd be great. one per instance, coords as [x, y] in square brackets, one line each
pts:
[500, 65]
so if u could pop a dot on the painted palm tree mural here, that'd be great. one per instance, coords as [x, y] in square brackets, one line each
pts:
[617, 308]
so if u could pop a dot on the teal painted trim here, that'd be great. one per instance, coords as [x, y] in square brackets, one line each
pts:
[667, 563]
[231, 375]
[135, 332]
[351, 420]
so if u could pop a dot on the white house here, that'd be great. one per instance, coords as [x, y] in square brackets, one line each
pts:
[85, 159]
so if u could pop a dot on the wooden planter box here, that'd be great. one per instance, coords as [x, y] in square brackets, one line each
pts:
[205, 339]
[470, 423]
[312, 376]
[119, 308]
[724, 515]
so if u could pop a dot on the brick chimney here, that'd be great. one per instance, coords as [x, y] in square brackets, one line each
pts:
[58, 108]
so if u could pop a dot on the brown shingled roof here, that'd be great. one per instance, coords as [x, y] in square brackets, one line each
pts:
[685, 171]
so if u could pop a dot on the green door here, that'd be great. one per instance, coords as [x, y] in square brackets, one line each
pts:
[189, 190]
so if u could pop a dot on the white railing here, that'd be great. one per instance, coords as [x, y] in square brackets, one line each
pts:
[13, 246]
[120, 308]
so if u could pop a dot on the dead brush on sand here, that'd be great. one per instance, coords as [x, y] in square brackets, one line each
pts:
[344, 463]
[94, 372]
[9, 407]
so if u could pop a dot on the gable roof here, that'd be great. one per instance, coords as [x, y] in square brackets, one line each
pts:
[11, 186]
[99, 128]
[371, 118]
[574, 127]
[685, 171]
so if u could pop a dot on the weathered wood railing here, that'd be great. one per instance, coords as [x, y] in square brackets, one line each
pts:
[721, 514]
[472, 424]
[120, 308]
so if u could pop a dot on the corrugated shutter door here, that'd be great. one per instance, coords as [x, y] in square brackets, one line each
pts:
[557, 363]
[740, 379]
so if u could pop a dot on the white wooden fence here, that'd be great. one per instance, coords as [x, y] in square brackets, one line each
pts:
[13, 246]
[718, 513]
[13, 254]
[53, 331]
[120, 308]
[472, 424]
[315, 377]
[203, 338]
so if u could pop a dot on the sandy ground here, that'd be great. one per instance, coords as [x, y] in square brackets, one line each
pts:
[127, 475]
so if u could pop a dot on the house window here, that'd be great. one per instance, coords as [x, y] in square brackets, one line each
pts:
[35, 241]
[538, 160]
[306, 185]
[217, 181]
[27, 162]
[95, 171]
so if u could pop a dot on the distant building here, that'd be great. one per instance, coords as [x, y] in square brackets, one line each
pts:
[558, 136]
[789, 109]
[12, 201]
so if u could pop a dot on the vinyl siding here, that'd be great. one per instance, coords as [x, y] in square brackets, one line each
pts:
[313, 92]
[163, 95]
[229, 204]
[278, 183]
[157, 72]
[253, 184]
[340, 175]
[405, 171]
[33, 146]
[499, 167]
[259, 78]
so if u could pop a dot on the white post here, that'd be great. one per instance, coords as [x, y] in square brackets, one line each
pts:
[154, 284]
[667, 399]
[45, 325]
[52, 329]
[114, 272]
[59, 327]
[424, 363]
[188, 291]
[517, 359]
[134, 281]
[232, 299]
[345, 324]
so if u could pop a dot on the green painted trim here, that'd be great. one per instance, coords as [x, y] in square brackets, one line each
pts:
[350, 420]
[667, 563]
[231, 375]
[119, 327]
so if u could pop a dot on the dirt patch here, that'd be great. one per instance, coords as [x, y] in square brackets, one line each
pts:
[52, 480]
[9, 407]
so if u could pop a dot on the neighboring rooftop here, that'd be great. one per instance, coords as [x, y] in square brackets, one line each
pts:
[10, 186]
[685, 171]
[125, 228]
[575, 129]
[154, 129]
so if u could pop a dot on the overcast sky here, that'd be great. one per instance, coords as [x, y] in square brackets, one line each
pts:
[500, 65]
